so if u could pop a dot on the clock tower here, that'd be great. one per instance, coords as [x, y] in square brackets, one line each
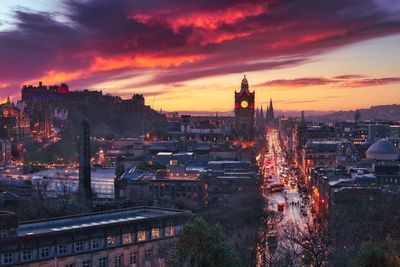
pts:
[244, 112]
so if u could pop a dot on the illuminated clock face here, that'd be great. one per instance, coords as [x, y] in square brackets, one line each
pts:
[244, 104]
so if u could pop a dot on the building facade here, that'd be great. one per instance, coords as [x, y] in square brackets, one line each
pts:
[131, 237]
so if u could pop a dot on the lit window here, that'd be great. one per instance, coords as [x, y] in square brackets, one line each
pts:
[95, 243]
[155, 233]
[103, 262]
[126, 238]
[118, 261]
[44, 252]
[79, 246]
[111, 241]
[8, 258]
[147, 255]
[26, 255]
[141, 235]
[62, 249]
[169, 230]
[133, 257]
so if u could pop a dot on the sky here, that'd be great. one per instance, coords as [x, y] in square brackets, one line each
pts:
[192, 55]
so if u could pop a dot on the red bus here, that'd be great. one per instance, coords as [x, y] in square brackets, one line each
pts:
[276, 187]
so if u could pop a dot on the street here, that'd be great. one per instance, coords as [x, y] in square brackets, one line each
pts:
[276, 166]
[280, 190]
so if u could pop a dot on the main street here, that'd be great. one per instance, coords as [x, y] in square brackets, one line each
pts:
[280, 190]
[280, 172]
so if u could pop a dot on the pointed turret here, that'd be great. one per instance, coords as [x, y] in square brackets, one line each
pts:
[262, 114]
[303, 120]
[258, 116]
[245, 85]
[271, 117]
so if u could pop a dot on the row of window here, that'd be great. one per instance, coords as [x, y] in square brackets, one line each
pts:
[310, 156]
[192, 188]
[104, 261]
[390, 180]
[178, 195]
[320, 163]
[81, 246]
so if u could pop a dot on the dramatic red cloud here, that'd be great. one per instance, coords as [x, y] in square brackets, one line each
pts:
[349, 80]
[291, 41]
[301, 82]
[216, 37]
[101, 64]
[205, 19]
[372, 82]
[101, 40]
[3, 85]
[55, 77]
[349, 76]
[141, 61]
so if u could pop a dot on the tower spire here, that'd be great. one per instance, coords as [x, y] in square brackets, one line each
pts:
[245, 85]
[271, 111]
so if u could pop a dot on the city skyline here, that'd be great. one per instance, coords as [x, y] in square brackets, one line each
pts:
[335, 55]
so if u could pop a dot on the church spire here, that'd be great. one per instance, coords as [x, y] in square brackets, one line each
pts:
[271, 111]
[258, 115]
[303, 119]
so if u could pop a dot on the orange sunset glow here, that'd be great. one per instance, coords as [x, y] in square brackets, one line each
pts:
[191, 56]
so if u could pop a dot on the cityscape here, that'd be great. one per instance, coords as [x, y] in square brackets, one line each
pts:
[150, 133]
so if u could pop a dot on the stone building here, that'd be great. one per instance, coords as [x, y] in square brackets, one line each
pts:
[138, 236]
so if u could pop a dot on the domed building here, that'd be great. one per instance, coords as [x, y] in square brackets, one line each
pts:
[383, 150]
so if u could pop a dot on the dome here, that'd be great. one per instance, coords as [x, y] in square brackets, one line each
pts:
[383, 150]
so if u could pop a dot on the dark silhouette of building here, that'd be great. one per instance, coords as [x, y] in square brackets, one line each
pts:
[270, 116]
[357, 116]
[138, 99]
[85, 191]
[244, 112]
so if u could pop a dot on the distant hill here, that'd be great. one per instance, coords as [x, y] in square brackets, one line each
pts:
[383, 112]
[108, 116]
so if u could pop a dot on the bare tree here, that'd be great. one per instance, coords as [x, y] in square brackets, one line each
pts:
[268, 236]
[314, 240]
[42, 190]
[65, 188]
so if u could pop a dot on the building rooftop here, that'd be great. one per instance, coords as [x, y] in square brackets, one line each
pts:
[92, 220]
[322, 146]
[383, 150]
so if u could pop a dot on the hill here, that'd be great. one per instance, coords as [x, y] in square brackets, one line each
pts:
[383, 112]
[110, 116]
